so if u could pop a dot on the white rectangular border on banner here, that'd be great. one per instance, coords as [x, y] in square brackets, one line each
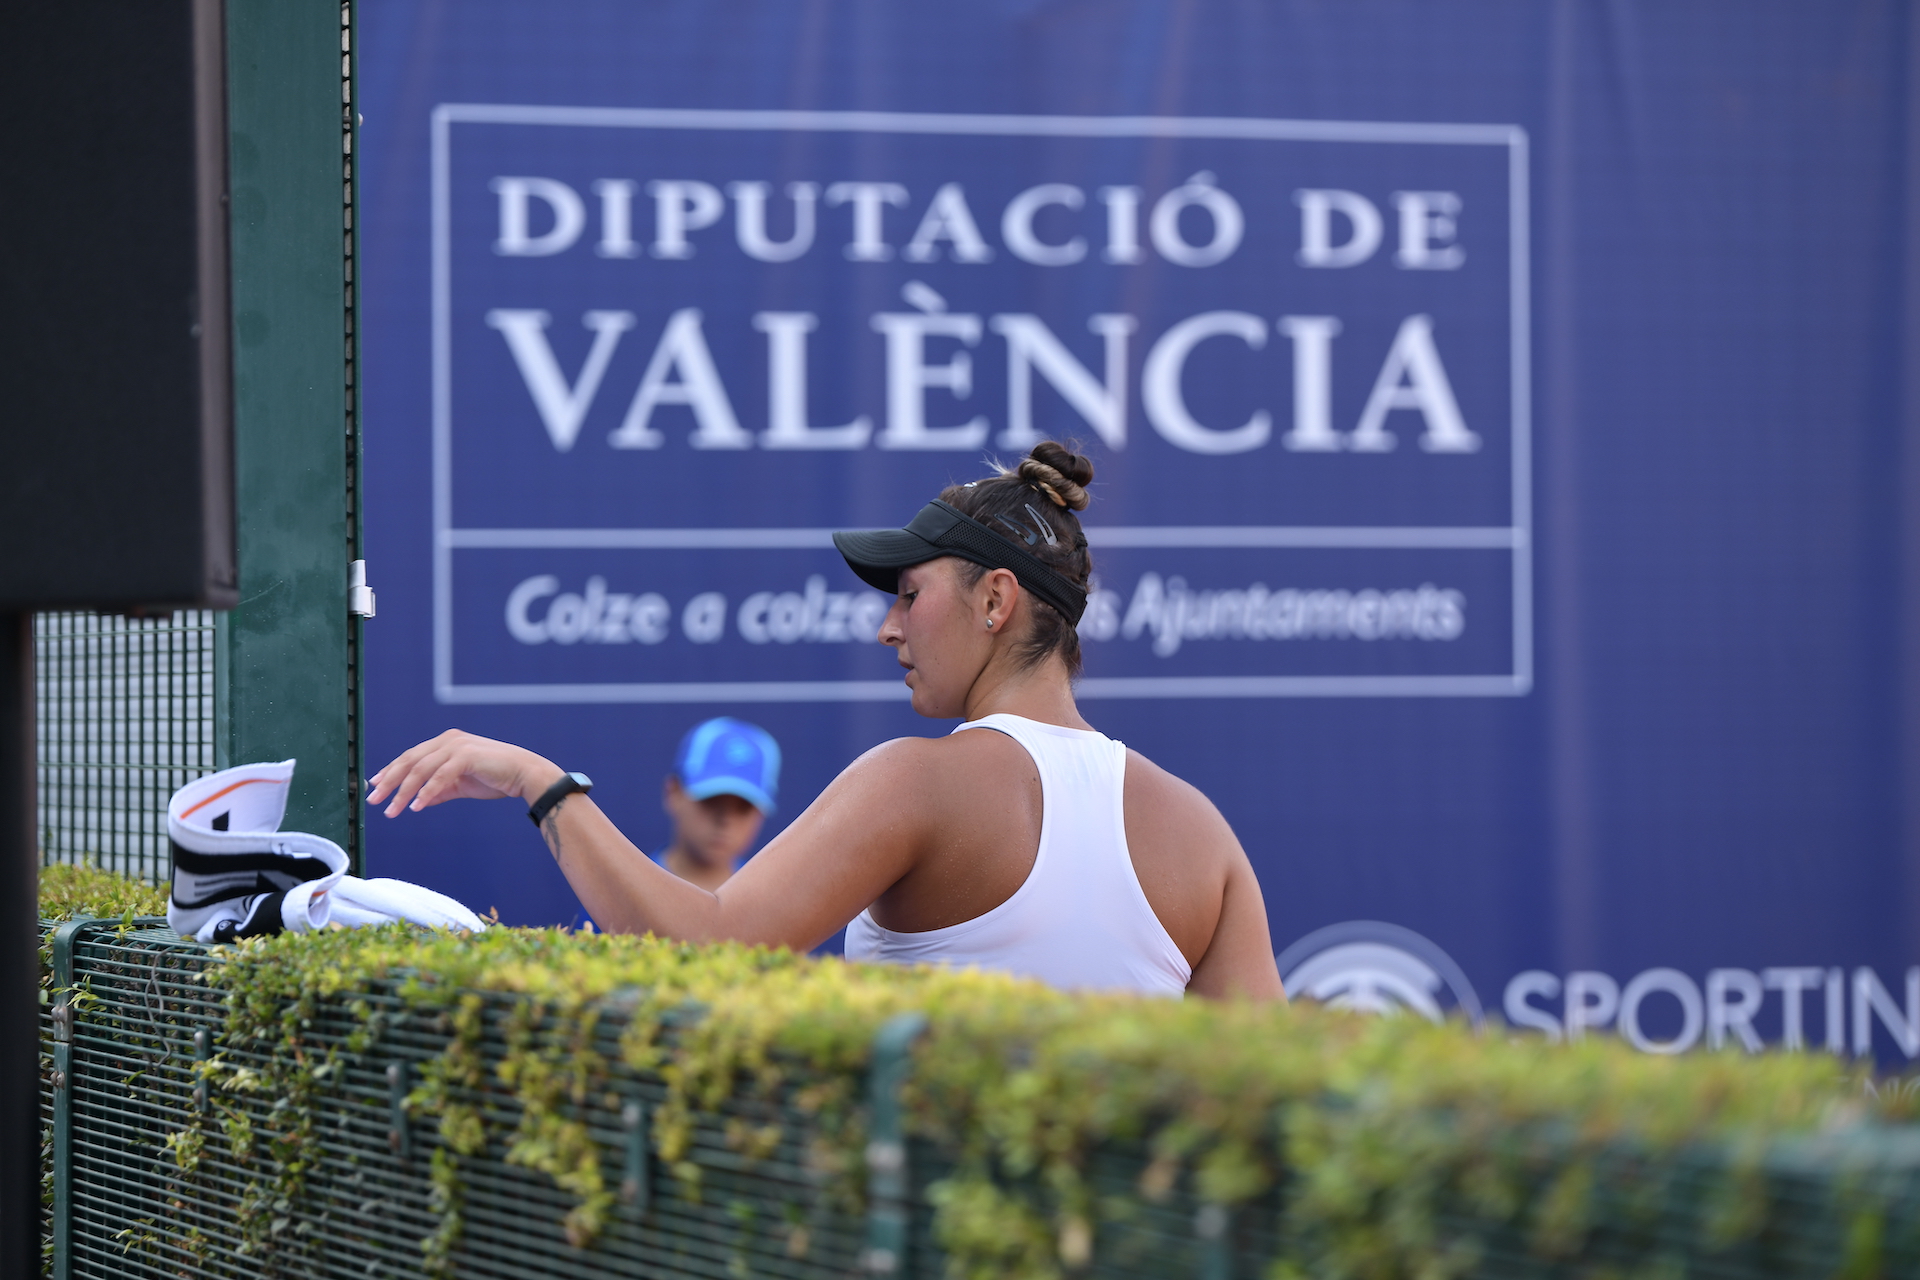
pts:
[1516, 538]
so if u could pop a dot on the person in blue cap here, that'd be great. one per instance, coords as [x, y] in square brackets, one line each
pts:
[721, 789]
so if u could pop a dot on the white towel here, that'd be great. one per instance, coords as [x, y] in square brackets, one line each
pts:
[359, 902]
[237, 875]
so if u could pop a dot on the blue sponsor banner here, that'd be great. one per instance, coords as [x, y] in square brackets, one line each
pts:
[906, 287]
[1488, 480]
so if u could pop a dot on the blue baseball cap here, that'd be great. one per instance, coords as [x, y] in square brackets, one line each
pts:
[728, 757]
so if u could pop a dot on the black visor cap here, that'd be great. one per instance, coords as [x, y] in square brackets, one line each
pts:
[879, 555]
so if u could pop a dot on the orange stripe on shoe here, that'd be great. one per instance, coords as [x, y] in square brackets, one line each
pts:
[244, 782]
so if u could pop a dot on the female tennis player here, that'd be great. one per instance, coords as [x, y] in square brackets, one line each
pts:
[1024, 841]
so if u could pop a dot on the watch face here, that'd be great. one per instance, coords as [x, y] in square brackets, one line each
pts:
[586, 783]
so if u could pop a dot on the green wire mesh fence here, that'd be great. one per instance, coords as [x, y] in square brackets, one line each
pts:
[126, 1198]
[150, 1174]
[125, 708]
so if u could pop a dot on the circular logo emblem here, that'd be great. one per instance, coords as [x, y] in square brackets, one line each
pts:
[1375, 967]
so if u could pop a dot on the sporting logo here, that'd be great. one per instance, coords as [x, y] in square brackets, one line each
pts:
[1375, 967]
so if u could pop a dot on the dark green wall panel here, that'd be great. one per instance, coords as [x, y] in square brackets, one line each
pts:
[288, 647]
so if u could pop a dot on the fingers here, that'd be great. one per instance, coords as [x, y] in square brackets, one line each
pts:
[403, 778]
[408, 783]
[443, 779]
[431, 778]
[404, 766]
[453, 766]
[384, 781]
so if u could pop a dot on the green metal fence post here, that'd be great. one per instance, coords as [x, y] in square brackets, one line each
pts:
[1214, 1225]
[889, 1182]
[399, 1136]
[356, 438]
[202, 1099]
[636, 1184]
[288, 667]
[62, 944]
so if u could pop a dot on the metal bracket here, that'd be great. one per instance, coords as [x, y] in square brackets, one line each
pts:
[888, 1182]
[636, 1186]
[359, 594]
[399, 1139]
[65, 937]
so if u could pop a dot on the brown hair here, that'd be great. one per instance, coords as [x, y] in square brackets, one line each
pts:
[1034, 504]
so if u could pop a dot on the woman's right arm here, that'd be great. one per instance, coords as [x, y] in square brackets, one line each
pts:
[864, 832]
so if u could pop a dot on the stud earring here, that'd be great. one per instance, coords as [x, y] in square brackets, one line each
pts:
[989, 624]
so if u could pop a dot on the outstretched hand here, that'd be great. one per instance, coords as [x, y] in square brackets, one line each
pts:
[460, 766]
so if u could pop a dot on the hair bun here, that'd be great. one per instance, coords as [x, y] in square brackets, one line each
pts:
[1059, 473]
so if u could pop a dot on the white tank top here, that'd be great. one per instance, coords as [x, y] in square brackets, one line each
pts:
[1081, 920]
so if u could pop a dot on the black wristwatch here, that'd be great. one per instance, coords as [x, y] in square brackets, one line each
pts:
[553, 795]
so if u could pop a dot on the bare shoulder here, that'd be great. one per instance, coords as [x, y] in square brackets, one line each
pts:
[908, 754]
[1168, 808]
[888, 769]
[1183, 852]
[956, 766]
[1200, 884]
[894, 754]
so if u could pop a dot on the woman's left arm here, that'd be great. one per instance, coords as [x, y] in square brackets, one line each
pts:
[1239, 961]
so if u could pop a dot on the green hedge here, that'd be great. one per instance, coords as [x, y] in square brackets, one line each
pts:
[1051, 1133]
[68, 890]
[72, 889]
